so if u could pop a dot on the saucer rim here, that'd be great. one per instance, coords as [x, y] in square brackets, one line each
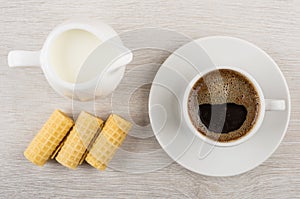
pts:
[288, 105]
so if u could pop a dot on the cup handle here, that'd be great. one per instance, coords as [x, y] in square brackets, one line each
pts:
[274, 105]
[21, 58]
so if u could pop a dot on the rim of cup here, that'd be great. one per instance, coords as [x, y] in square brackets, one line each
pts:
[255, 127]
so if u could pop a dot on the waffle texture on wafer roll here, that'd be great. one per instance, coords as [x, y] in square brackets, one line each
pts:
[48, 138]
[110, 139]
[77, 142]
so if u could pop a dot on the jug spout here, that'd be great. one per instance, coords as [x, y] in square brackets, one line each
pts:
[120, 61]
[105, 67]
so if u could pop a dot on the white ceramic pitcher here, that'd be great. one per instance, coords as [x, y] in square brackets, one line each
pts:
[106, 62]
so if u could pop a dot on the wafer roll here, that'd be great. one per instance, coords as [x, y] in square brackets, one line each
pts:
[49, 138]
[109, 140]
[77, 142]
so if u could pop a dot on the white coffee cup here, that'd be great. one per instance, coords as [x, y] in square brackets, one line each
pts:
[265, 105]
[106, 69]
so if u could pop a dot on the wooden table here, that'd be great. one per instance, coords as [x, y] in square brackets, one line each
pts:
[26, 99]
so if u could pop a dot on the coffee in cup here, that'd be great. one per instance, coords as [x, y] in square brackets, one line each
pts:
[223, 105]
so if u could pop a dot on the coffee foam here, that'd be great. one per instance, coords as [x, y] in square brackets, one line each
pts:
[224, 86]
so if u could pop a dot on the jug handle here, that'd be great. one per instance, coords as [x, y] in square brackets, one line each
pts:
[22, 58]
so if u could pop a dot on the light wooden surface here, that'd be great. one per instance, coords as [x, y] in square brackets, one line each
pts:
[26, 99]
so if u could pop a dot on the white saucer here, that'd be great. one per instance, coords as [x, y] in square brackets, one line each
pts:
[166, 115]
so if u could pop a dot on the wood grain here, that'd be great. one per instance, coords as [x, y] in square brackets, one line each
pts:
[26, 99]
